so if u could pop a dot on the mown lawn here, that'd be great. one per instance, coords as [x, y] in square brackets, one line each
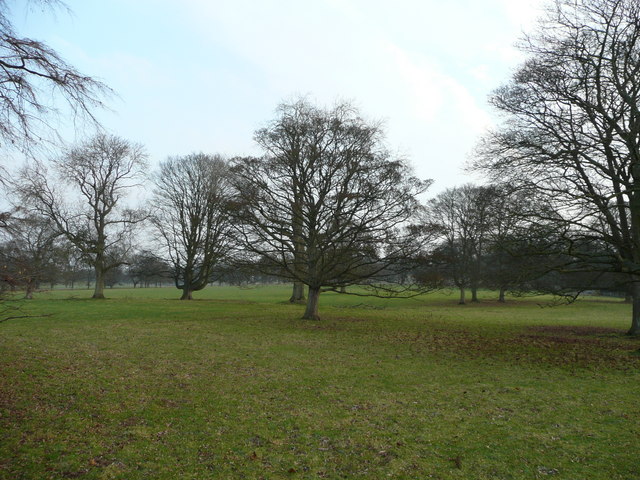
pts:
[235, 385]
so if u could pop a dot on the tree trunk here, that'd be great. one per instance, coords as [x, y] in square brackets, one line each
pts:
[186, 294]
[30, 287]
[311, 312]
[501, 295]
[462, 296]
[98, 291]
[635, 316]
[297, 296]
[474, 294]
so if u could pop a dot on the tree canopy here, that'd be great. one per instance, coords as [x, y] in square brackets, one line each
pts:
[334, 214]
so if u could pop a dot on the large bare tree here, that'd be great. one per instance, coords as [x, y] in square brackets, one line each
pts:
[572, 133]
[191, 200]
[84, 200]
[334, 214]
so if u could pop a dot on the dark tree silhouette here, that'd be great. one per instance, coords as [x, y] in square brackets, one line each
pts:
[334, 215]
[572, 133]
[462, 220]
[191, 202]
[27, 253]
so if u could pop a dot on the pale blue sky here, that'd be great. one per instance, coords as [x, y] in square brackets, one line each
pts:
[196, 75]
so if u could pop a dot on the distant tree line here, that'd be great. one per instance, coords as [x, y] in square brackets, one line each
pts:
[328, 207]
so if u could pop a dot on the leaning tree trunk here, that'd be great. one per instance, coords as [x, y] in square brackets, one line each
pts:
[635, 317]
[311, 312]
[297, 296]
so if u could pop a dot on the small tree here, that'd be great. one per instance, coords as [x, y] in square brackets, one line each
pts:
[27, 255]
[334, 215]
[70, 263]
[147, 267]
[461, 217]
[191, 201]
[99, 172]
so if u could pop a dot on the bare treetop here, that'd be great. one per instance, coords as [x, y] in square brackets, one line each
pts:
[35, 82]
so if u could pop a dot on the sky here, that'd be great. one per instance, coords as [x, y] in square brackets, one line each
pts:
[203, 75]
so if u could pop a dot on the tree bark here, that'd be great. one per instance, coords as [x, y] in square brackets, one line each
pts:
[474, 294]
[311, 312]
[297, 296]
[501, 295]
[186, 294]
[462, 296]
[635, 317]
[98, 291]
[30, 287]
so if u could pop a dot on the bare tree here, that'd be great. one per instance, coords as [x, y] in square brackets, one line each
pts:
[462, 218]
[100, 172]
[507, 265]
[35, 82]
[146, 267]
[572, 133]
[27, 253]
[334, 215]
[70, 264]
[191, 200]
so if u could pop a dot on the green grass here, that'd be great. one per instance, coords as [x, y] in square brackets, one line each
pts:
[235, 385]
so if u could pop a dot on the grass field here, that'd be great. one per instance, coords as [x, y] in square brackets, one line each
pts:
[235, 385]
